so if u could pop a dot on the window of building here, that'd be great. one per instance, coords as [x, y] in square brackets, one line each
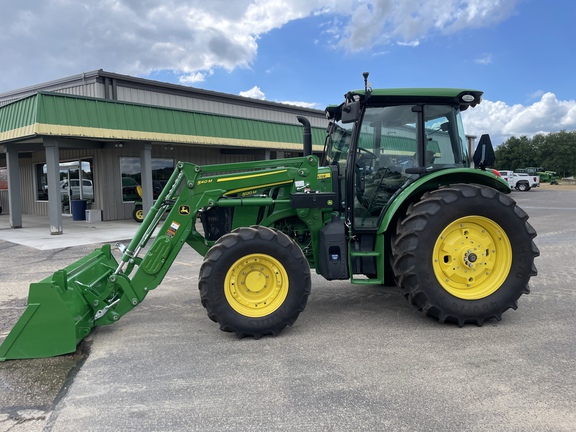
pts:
[3, 178]
[132, 176]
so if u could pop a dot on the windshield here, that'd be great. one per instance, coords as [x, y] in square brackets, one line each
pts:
[445, 137]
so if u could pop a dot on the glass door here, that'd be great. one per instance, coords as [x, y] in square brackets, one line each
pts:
[65, 191]
[70, 189]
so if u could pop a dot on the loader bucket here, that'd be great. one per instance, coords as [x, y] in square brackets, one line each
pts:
[59, 313]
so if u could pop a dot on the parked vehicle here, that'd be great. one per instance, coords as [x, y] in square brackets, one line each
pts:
[71, 188]
[130, 189]
[548, 176]
[138, 212]
[520, 181]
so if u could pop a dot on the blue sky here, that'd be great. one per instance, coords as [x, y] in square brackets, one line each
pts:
[310, 52]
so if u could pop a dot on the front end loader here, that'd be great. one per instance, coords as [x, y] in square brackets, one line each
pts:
[393, 200]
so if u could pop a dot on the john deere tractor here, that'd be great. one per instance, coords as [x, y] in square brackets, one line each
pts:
[392, 200]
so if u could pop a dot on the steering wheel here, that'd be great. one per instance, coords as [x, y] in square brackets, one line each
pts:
[369, 154]
[364, 155]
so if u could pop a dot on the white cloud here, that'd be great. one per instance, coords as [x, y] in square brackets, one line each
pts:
[537, 94]
[484, 60]
[503, 121]
[194, 77]
[257, 93]
[314, 105]
[48, 39]
[412, 44]
[254, 93]
[379, 22]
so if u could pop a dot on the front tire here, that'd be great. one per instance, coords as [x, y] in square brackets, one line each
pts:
[464, 254]
[138, 213]
[254, 282]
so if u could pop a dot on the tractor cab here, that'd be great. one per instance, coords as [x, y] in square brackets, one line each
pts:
[383, 140]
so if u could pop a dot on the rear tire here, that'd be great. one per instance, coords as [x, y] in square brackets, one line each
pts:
[235, 283]
[464, 254]
[523, 187]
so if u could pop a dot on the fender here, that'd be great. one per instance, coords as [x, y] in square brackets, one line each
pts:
[435, 180]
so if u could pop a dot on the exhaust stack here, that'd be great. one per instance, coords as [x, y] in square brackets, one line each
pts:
[307, 135]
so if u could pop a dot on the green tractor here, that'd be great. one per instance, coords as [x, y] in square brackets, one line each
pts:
[392, 200]
[548, 176]
[138, 212]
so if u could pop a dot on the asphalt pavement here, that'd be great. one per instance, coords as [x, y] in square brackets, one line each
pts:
[359, 358]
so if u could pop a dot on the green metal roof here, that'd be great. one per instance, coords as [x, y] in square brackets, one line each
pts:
[73, 116]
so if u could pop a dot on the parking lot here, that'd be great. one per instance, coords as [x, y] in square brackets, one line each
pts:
[359, 358]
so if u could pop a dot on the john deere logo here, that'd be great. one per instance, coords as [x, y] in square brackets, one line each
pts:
[184, 210]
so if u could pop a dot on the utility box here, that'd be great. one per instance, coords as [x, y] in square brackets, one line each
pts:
[93, 215]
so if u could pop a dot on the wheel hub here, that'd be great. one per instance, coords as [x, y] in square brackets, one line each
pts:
[472, 257]
[256, 285]
[255, 281]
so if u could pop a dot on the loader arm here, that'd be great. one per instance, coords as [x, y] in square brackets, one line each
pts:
[193, 189]
[98, 290]
[197, 189]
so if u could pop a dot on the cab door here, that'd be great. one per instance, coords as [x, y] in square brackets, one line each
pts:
[386, 147]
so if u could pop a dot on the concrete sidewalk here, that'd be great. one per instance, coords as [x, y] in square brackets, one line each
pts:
[35, 232]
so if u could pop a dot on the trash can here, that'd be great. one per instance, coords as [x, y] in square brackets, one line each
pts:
[79, 209]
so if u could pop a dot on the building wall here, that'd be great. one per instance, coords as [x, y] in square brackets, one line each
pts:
[4, 201]
[89, 88]
[149, 97]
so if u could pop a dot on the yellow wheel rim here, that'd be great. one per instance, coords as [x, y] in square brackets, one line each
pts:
[140, 214]
[256, 285]
[472, 257]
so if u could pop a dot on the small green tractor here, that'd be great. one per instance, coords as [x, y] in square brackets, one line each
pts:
[392, 200]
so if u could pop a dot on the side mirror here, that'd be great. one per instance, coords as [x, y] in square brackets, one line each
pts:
[484, 155]
[351, 112]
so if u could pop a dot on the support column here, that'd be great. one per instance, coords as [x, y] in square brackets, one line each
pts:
[14, 195]
[146, 176]
[54, 194]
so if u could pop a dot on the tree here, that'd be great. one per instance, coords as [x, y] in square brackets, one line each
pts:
[554, 152]
[516, 153]
[558, 152]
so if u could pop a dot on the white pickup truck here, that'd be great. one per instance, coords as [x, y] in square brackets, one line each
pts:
[520, 181]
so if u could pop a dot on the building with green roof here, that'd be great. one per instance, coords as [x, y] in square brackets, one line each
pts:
[90, 139]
